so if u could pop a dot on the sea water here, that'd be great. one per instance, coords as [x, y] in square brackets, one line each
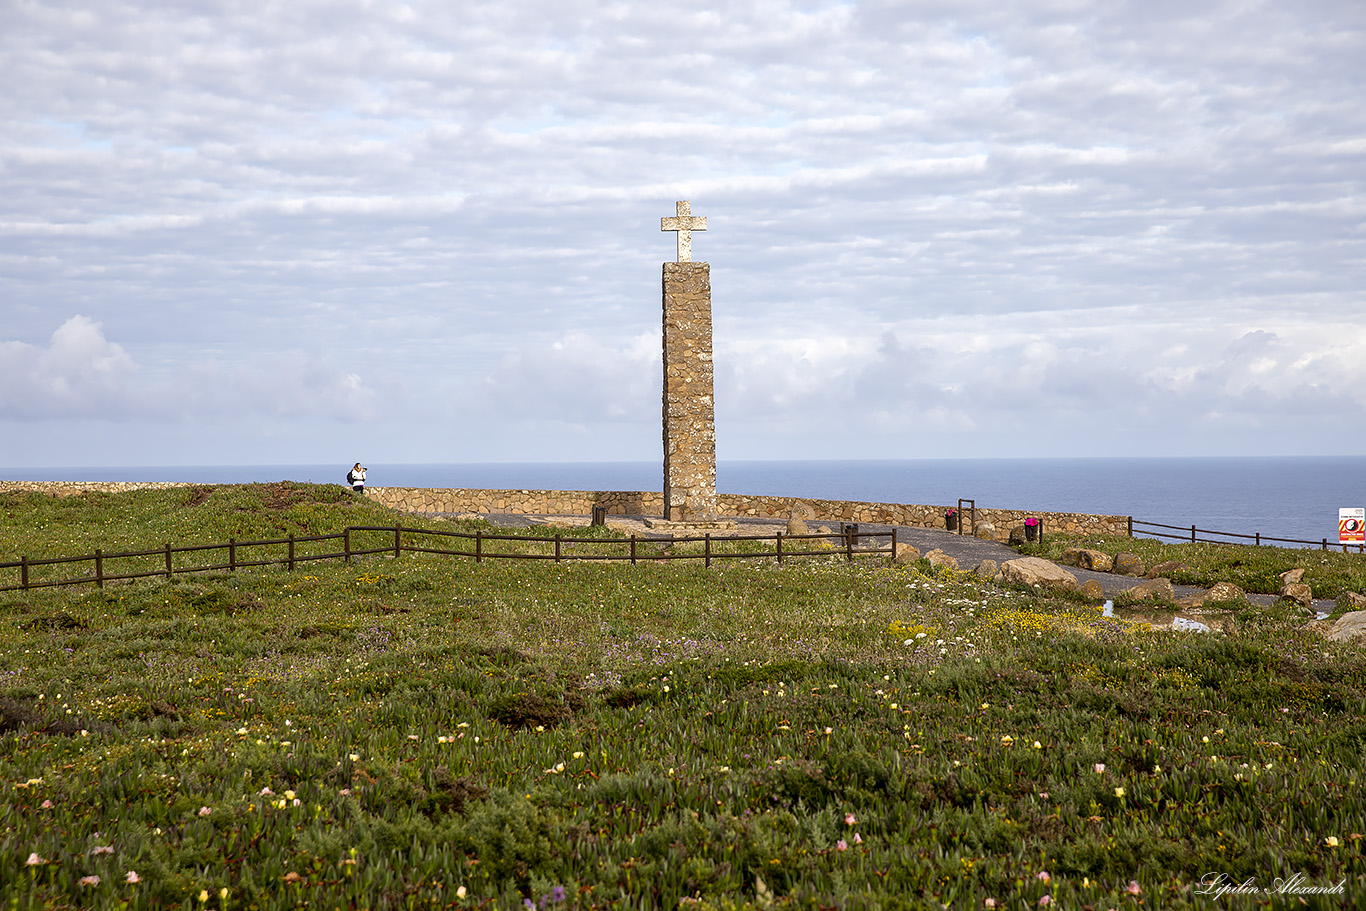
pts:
[1286, 497]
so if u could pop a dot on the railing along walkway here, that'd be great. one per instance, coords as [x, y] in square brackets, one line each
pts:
[286, 552]
[1191, 534]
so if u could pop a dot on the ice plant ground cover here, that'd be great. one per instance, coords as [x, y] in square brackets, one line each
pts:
[427, 732]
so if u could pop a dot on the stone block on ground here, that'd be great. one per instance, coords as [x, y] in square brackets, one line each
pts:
[1291, 576]
[1017, 536]
[985, 530]
[1033, 571]
[987, 569]
[1152, 590]
[1129, 565]
[796, 526]
[906, 553]
[1086, 558]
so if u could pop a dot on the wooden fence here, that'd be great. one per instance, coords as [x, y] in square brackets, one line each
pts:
[1192, 533]
[398, 540]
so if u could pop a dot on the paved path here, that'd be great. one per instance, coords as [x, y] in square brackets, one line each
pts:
[967, 550]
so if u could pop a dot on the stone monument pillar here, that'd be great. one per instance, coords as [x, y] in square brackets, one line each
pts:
[689, 416]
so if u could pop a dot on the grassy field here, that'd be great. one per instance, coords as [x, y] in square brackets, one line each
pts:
[427, 732]
[1254, 569]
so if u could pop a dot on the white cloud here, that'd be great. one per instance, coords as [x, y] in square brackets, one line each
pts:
[977, 215]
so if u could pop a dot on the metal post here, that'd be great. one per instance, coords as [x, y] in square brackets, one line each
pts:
[291, 552]
[99, 567]
[168, 559]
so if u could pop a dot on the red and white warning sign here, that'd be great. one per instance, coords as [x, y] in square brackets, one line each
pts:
[1351, 526]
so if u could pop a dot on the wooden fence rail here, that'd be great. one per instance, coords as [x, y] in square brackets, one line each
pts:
[1191, 534]
[243, 554]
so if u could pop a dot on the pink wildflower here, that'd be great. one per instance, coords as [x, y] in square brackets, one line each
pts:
[841, 845]
[1045, 901]
[46, 805]
[858, 839]
[89, 881]
[132, 877]
[1043, 877]
[1133, 888]
[205, 811]
[850, 819]
[35, 859]
[102, 849]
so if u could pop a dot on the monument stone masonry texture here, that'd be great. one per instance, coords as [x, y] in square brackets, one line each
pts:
[689, 414]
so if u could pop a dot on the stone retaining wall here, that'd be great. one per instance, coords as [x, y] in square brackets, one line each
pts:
[70, 488]
[581, 502]
[650, 503]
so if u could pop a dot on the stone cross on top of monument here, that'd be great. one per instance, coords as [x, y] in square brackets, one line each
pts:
[684, 223]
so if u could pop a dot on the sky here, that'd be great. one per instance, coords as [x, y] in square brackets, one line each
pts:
[304, 232]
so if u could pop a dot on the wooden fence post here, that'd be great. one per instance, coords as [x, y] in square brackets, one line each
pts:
[232, 555]
[557, 548]
[398, 529]
[780, 548]
[706, 547]
[848, 544]
[478, 546]
[23, 572]
[346, 543]
[99, 568]
[168, 559]
[633, 550]
[291, 552]
[1192, 534]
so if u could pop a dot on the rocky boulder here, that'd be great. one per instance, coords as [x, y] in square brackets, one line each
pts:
[797, 526]
[1152, 590]
[1085, 558]
[1348, 626]
[1291, 576]
[1033, 571]
[937, 557]
[1092, 590]
[1298, 592]
[1165, 568]
[1352, 601]
[906, 553]
[1129, 565]
[987, 569]
[985, 530]
[1222, 592]
[1017, 536]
